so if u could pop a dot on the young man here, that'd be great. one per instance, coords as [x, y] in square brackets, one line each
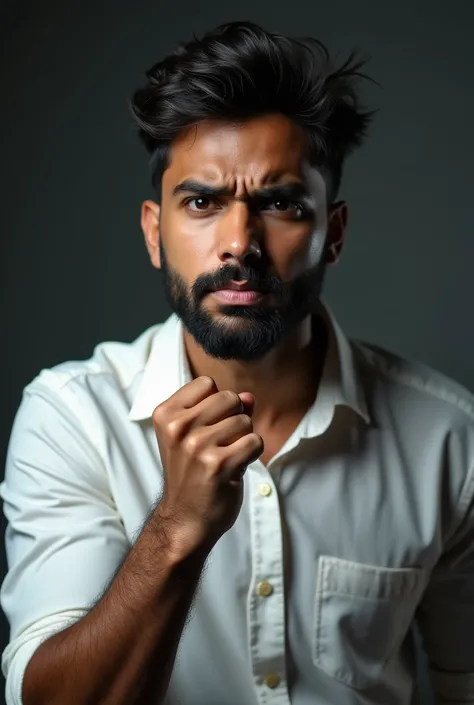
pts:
[241, 507]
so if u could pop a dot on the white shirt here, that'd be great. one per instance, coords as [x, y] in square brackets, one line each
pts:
[363, 521]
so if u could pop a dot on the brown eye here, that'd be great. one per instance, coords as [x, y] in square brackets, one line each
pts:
[283, 205]
[198, 203]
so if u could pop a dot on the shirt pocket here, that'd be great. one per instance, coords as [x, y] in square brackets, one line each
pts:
[362, 615]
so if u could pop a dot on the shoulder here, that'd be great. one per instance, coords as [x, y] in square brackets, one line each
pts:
[427, 421]
[81, 401]
[113, 363]
[415, 385]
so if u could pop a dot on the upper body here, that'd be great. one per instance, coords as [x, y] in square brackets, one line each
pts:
[331, 483]
[361, 523]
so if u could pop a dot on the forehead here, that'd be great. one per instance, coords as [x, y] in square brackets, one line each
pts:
[258, 150]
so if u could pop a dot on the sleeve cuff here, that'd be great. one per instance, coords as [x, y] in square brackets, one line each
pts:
[20, 650]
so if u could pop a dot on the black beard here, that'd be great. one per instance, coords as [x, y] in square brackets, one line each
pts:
[247, 333]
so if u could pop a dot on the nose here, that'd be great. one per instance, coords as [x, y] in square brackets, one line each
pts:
[239, 239]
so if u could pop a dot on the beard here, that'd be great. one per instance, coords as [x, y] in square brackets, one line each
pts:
[244, 333]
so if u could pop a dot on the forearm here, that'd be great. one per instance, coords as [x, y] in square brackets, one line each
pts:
[124, 649]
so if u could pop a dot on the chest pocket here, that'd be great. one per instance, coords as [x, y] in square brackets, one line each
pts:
[362, 615]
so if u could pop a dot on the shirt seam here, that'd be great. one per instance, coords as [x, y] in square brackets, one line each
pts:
[67, 396]
[63, 378]
[415, 382]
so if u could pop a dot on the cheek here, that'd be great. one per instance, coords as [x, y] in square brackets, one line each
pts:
[313, 247]
[293, 253]
[316, 249]
[318, 237]
[188, 245]
[295, 248]
[190, 239]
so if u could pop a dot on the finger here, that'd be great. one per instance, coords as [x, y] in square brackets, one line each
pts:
[248, 400]
[215, 408]
[192, 393]
[241, 453]
[229, 430]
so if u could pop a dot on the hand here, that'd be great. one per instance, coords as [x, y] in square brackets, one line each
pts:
[206, 442]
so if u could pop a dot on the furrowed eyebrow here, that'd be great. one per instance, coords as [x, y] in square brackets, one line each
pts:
[196, 187]
[291, 191]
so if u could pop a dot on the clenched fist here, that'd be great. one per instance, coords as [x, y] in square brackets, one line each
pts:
[206, 442]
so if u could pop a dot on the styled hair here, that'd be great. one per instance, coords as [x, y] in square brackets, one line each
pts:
[239, 71]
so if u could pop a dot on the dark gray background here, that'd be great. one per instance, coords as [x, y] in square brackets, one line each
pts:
[74, 269]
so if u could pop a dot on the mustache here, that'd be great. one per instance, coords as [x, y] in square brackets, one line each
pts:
[263, 281]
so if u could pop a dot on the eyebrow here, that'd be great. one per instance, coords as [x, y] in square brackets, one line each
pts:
[291, 190]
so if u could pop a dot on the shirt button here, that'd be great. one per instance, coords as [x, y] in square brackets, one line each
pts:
[272, 680]
[264, 589]
[264, 489]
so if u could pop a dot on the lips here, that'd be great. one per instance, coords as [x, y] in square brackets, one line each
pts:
[238, 296]
[238, 293]
[235, 286]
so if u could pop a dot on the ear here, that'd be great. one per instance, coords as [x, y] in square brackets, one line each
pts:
[150, 222]
[337, 223]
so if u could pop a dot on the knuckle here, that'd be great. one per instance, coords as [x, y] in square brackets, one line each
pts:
[174, 429]
[231, 397]
[246, 422]
[159, 414]
[211, 459]
[256, 440]
[206, 381]
[192, 443]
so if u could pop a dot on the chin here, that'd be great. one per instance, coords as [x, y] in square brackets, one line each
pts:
[245, 314]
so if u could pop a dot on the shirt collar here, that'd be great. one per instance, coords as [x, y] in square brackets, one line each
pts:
[167, 370]
[341, 383]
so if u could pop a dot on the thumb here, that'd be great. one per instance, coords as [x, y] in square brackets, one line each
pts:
[248, 401]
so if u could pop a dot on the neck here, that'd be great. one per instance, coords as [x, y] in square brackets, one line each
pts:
[284, 382]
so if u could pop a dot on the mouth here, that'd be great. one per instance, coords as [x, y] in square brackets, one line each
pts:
[234, 293]
[231, 296]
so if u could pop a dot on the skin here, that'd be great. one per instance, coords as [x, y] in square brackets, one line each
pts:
[201, 236]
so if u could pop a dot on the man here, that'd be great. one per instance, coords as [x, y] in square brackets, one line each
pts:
[242, 506]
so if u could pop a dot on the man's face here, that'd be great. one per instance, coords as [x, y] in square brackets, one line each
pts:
[242, 234]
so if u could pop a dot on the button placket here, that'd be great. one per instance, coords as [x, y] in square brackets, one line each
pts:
[266, 599]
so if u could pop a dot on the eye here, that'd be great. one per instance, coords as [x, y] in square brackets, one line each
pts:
[284, 205]
[198, 204]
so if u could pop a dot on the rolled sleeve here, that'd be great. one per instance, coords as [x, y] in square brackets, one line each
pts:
[446, 614]
[19, 651]
[64, 537]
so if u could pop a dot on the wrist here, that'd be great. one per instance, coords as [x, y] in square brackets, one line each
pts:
[182, 542]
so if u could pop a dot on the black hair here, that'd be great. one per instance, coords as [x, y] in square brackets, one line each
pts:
[239, 71]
